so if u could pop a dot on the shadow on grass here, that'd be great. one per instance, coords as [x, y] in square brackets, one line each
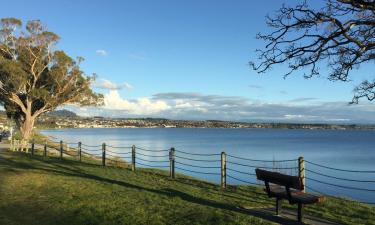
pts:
[71, 168]
[33, 212]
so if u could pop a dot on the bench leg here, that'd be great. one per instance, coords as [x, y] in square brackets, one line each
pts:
[300, 212]
[278, 206]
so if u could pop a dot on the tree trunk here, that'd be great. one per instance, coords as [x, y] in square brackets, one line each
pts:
[26, 129]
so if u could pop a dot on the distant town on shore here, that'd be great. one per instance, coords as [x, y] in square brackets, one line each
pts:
[68, 119]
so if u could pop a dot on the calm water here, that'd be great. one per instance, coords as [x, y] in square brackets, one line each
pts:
[353, 150]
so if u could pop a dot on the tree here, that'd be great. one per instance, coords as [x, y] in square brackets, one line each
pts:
[340, 35]
[35, 77]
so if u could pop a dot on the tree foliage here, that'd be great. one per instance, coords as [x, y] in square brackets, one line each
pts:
[341, 34]
[35, 77]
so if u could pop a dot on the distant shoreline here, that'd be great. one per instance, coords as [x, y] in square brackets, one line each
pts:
[68, 120]
[229, 128]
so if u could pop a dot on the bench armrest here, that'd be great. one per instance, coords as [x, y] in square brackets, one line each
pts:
[268, 190]
[288, 194]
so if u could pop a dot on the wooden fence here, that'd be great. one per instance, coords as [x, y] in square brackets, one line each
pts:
[226, 166]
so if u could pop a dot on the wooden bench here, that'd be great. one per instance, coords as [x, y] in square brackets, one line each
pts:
[282, 186]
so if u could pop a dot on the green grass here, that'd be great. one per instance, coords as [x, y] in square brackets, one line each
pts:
[39, 191]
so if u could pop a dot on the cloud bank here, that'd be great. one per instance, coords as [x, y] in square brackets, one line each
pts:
[141, 106]
[177, 105]
[108, 85]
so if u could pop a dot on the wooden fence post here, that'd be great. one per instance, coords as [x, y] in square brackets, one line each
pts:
[103, 154]
[80, 151]
[32, 146]
[301, 172]
[61, 149]
[223, 170]
[45, 149]
[133, 158]
[171, 163]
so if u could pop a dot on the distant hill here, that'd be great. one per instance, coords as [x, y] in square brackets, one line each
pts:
[61, 113]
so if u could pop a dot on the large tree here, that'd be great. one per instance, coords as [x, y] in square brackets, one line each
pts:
[35, 77]
[339, 35]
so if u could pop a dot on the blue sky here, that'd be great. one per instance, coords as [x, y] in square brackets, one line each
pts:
[180, 59]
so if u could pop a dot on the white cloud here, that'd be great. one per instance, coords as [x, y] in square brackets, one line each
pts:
[127, 86]
[101, 52]
[106, 84]
[141, 106]
[179, 105]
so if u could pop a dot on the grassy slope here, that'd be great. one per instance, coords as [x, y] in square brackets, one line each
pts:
[48, 191]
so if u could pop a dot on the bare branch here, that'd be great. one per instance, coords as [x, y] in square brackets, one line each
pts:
[340, 35]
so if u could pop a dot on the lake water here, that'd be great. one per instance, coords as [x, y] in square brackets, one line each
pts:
[343, 149]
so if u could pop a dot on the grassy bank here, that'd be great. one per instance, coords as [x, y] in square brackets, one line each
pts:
[35, 190]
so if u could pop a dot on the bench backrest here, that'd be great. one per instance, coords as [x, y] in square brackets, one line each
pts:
[279, 179]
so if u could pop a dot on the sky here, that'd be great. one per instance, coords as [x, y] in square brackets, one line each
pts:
[188, 60]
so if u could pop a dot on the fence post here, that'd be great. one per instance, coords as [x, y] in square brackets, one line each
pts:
[223, 170]
[32, 146]
[103, 154]
[133, 158]
[80, 151]
[45, 149]
[301, 172]
[61, 149]
[171, 163]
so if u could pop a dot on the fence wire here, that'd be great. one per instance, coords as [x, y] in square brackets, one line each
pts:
[242, 172]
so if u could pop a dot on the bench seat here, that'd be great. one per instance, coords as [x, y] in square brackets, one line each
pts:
[297, 196]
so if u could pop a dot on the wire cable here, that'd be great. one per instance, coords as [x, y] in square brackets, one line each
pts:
[237, 171]
[262, 167]
[243, 181]
[111, 146]
[151, 165]
[200, 154]
[203, 167]
[193, 171]
[156, 156]
[152, 150]
[343, 170]
[198, 160]
[260, 160]
[151, 161]
[340, 178]
[92, 150]
[119, 153]
[120, 157]
[70, 143]
[91, 146]
[92, 154]
[341, 186]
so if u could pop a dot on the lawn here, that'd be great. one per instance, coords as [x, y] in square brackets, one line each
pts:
[37, 190]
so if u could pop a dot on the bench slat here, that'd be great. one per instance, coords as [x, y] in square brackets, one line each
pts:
[277, 191]
[279, 178]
